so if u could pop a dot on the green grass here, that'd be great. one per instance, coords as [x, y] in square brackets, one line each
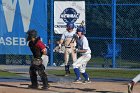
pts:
[120, 62]
[112, 73]
[102, 73]
[7, 74]
[93, 73]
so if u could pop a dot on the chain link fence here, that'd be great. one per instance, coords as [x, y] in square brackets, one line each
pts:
[99, 33]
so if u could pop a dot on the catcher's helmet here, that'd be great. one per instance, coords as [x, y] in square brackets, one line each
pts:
[31, 34]
[81, 29]
[70, 26]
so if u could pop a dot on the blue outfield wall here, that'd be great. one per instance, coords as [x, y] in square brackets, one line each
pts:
[16, 18]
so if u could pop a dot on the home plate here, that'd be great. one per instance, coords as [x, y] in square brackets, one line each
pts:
[23, 85]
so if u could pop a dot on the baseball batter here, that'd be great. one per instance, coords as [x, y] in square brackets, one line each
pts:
[132, 83]
[84, 50]
[69, 43]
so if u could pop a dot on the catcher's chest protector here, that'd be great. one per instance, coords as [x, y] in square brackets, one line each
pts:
[35, 49]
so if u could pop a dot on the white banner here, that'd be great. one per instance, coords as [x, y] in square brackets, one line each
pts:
[68, 11]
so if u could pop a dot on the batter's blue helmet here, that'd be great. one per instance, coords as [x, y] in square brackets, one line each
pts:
[81, 29]
[70, 26]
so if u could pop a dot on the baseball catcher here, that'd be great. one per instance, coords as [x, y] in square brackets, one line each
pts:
[70, 43]
[39, 53]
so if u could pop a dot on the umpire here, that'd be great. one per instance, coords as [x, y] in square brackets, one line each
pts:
[38, 49]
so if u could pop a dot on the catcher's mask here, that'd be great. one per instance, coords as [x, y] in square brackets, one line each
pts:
[31, 34]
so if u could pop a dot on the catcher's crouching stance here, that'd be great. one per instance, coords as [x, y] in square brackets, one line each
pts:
[38, 49]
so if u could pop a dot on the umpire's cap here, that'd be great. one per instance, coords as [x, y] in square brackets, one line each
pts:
[81, 29]
[32, 33]
[70, 26]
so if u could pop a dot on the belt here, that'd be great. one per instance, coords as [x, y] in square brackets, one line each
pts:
[69, 47]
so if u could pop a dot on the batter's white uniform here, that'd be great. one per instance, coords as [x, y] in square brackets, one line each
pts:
[137, 78]
[69, 47]
[85, 57]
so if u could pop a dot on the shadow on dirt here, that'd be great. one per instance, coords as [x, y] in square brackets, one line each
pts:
[21, 86]
[24, 86]
[85, 90]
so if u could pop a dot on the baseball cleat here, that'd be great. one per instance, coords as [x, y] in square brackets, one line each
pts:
[33, 86]
[45, 88]
[67, 73]
[78, 81]
[86, 81]
[130, 87]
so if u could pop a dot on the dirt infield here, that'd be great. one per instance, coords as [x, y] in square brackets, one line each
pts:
[61, 84]
[68, 87]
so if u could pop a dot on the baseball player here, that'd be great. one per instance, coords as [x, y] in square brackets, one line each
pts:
[69, 43]
[132, 83]
[39, 53]
[84, 50]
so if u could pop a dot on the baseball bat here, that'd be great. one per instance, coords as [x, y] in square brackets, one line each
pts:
[82, 23]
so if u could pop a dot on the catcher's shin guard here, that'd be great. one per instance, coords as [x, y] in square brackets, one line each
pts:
[34, 80]
[43, 76]
[33, 76]
[45, 81]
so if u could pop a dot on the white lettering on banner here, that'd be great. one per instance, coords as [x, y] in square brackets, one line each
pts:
[15, 41]
[26, 12]
[8, 41]
[22, 41]
[2, 41]
[9, 8]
